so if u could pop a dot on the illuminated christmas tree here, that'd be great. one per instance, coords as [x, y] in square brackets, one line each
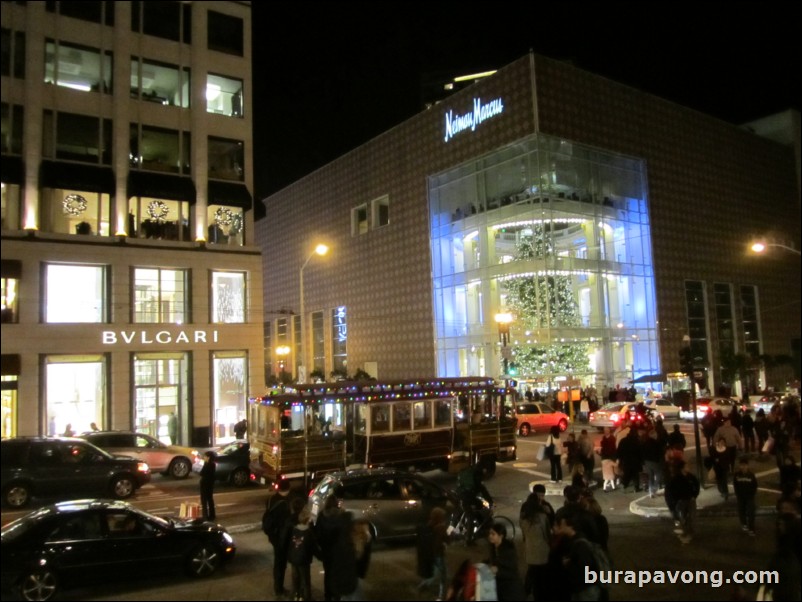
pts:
[544, 300]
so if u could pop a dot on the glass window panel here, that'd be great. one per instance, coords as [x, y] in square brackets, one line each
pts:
[224, 95]
[230, 373]
[161, 396]
[77, 67]
[226, 159]
[75, 293]
[75, 393]
[160, 296]
[225, 33]
[228, 297]
[225, 225]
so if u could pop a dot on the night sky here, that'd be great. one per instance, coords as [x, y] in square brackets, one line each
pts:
[330, 76]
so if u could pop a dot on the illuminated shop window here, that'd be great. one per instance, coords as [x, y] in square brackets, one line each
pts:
[75, 294]
[230, 373]
[226, 225]
[75, 393]
[8, 427]
[228, 297]
[161, 396]
[160, 296]
[71, 211]
[164, 219]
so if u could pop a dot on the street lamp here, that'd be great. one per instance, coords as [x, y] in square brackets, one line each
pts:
[688, 367]
[503, 320]
[321, 250]
[282, 351]
[760, 246]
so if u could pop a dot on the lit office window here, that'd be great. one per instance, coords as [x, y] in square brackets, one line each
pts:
[228, 297]
[75, 294]
[224, 95]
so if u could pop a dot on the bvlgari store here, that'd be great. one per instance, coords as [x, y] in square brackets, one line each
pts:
[161, 338]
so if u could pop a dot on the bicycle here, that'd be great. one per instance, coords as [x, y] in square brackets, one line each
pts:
[483, 518]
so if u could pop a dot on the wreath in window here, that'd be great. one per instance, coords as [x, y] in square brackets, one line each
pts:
[158, 210]
[223, 216]
[74, 204]
[236, 224]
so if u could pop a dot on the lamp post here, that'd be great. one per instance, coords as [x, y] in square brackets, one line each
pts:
[282, 351]
[321, 250]
[688, 368]
[503, 320]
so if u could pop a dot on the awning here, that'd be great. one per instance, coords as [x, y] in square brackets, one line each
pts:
[161, 186]
[230, 195]
[650, 378]
[76, 176]
[12, 170]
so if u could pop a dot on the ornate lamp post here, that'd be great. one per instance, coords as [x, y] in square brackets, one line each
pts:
[282, 351]
[321, 250]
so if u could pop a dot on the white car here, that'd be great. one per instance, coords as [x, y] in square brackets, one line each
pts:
[705, 405]
[665, 408]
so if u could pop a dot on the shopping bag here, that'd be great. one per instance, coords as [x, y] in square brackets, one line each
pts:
[541, 453]
[768, 446]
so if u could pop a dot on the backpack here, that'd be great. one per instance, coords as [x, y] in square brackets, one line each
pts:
[466, 479]
[600, 556]
[274, 518]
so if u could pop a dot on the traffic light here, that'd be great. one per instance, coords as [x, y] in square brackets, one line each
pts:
[512, 370]
[686, 361]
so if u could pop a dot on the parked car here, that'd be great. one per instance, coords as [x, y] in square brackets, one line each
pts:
[538, 416]
[664, 408]
[613, 413]
[705, 405]
[233, 464]
[172, 460]
[88, 541]
[60, 466]
[395, 502]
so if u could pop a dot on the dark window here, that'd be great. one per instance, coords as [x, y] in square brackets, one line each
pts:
[12, 53]
[162, 19]
[11, 129]
[225, 33]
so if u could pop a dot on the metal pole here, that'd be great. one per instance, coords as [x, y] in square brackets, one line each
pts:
[302, 350]
[700, 473]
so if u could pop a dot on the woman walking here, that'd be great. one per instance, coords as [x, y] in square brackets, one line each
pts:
[554, 454]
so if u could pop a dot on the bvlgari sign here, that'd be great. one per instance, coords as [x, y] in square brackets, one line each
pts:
[468, 121]
[161, 337]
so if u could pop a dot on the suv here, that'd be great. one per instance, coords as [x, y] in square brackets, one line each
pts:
[61, 466]
[394, 502]
[166, 459]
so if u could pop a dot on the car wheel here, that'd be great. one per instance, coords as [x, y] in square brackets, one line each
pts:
[203, 561]
[38, 585]
[123, 487]
[563, 424]
[180, 468]
[524, 430]
[240, 477]
[17, 495]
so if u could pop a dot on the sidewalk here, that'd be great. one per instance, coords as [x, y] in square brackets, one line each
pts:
[709, 503]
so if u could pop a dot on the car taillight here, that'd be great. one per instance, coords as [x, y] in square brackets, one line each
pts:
[142, 467]
[614, 417]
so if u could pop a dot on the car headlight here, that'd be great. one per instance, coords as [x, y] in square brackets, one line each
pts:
[227, 538]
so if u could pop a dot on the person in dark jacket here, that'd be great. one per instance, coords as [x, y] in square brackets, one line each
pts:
[279, 506]
[436, 540]
[630, 460]
[332, 526]
[577, 555]
[207, 477]
[303, 548]
[745, 484]
[680, 495]
[504, 564]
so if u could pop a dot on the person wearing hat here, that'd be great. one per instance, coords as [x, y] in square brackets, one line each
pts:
[207, 477]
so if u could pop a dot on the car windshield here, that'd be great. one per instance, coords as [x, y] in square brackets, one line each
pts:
[614, 407]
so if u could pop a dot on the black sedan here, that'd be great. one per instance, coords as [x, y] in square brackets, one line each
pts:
[233, 464]
[87, 541]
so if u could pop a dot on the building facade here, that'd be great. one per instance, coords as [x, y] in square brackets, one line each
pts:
[611, 224]
[131, 285]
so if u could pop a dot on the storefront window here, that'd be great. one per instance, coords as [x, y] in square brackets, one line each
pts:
[165, 219]
[75, 393]
[75, 294]
[558, 235]
[9, 406]
[161, 394]
[225, 225]
[228, 297]
[160, 296]
[230, 372]
[78, 211]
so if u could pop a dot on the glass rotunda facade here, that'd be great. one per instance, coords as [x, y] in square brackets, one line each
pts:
[556, 234]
